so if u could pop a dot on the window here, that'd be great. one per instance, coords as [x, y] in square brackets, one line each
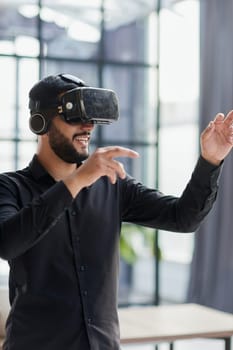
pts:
[178, 146]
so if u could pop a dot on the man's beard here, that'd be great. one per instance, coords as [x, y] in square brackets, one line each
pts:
[63, 148]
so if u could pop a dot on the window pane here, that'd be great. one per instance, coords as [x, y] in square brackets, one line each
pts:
[179, 41]
[179, 139]
[28, 76]
[136, 90]
[25, 153]
[19, 28]
[129, 25]
[7, 93]
[7, 157]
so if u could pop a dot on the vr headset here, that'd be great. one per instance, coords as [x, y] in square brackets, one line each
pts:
[79, 105]
[89, 105]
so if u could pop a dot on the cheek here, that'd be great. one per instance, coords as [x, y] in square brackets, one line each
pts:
[65, 130]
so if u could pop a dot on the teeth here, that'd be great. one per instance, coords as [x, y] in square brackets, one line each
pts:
[81, 139]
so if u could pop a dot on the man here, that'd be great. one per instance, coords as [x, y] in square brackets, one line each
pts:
[60, 218]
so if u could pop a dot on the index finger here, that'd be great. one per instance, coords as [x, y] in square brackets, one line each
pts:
[118, 151]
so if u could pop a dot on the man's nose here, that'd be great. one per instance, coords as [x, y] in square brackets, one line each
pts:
[87, 126]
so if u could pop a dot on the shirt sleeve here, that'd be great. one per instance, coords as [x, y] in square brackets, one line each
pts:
[152, 208]
[21, 228]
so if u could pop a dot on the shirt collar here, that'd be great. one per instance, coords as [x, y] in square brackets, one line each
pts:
[37, 170]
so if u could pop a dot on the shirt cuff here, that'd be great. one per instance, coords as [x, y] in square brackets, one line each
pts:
[207, 173]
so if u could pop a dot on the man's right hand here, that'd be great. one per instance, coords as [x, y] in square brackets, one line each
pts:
[100, 163]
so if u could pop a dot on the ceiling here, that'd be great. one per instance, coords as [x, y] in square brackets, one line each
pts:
[19, 17]
[117, 12]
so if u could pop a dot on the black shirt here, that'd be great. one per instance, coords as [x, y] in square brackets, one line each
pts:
[63, 253]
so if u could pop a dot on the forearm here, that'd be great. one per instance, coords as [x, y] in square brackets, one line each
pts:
[184, 214]
[199, 195]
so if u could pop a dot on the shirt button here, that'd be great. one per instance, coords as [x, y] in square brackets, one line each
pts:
[85, 293]
[82, 268]
[89, 320]
[73, 213]
[78, 238]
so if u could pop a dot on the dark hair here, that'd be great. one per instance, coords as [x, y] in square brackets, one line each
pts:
[46, 91]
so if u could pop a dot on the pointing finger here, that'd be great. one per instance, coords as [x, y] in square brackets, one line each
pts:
[117, 151]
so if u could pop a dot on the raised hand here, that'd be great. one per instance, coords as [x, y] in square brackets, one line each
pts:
[100, 163]
[217, 138]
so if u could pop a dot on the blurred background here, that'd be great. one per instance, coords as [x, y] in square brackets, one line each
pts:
[170, 62]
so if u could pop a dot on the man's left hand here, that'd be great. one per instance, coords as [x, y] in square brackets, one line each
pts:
[217, 138]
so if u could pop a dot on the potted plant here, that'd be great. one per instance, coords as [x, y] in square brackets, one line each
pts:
[136, 242]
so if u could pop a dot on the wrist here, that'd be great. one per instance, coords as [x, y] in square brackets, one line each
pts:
[212, 160]
[74, 184]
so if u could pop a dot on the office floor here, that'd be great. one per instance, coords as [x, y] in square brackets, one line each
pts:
[196, 344]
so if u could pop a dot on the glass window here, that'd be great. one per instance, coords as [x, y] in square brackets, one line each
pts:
[127, 26]
[27, 77]
[178, 136]
[8, 94]
[26, 151]
[18, 29]
[7, 155]
[136, 90]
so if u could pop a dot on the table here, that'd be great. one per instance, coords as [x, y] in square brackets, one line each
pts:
[168, 323]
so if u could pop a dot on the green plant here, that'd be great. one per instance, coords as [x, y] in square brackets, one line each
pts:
[136, 241]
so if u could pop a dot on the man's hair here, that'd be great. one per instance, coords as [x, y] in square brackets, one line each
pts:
[47, 90]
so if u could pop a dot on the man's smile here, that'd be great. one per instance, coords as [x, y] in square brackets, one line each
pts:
[82, 138]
